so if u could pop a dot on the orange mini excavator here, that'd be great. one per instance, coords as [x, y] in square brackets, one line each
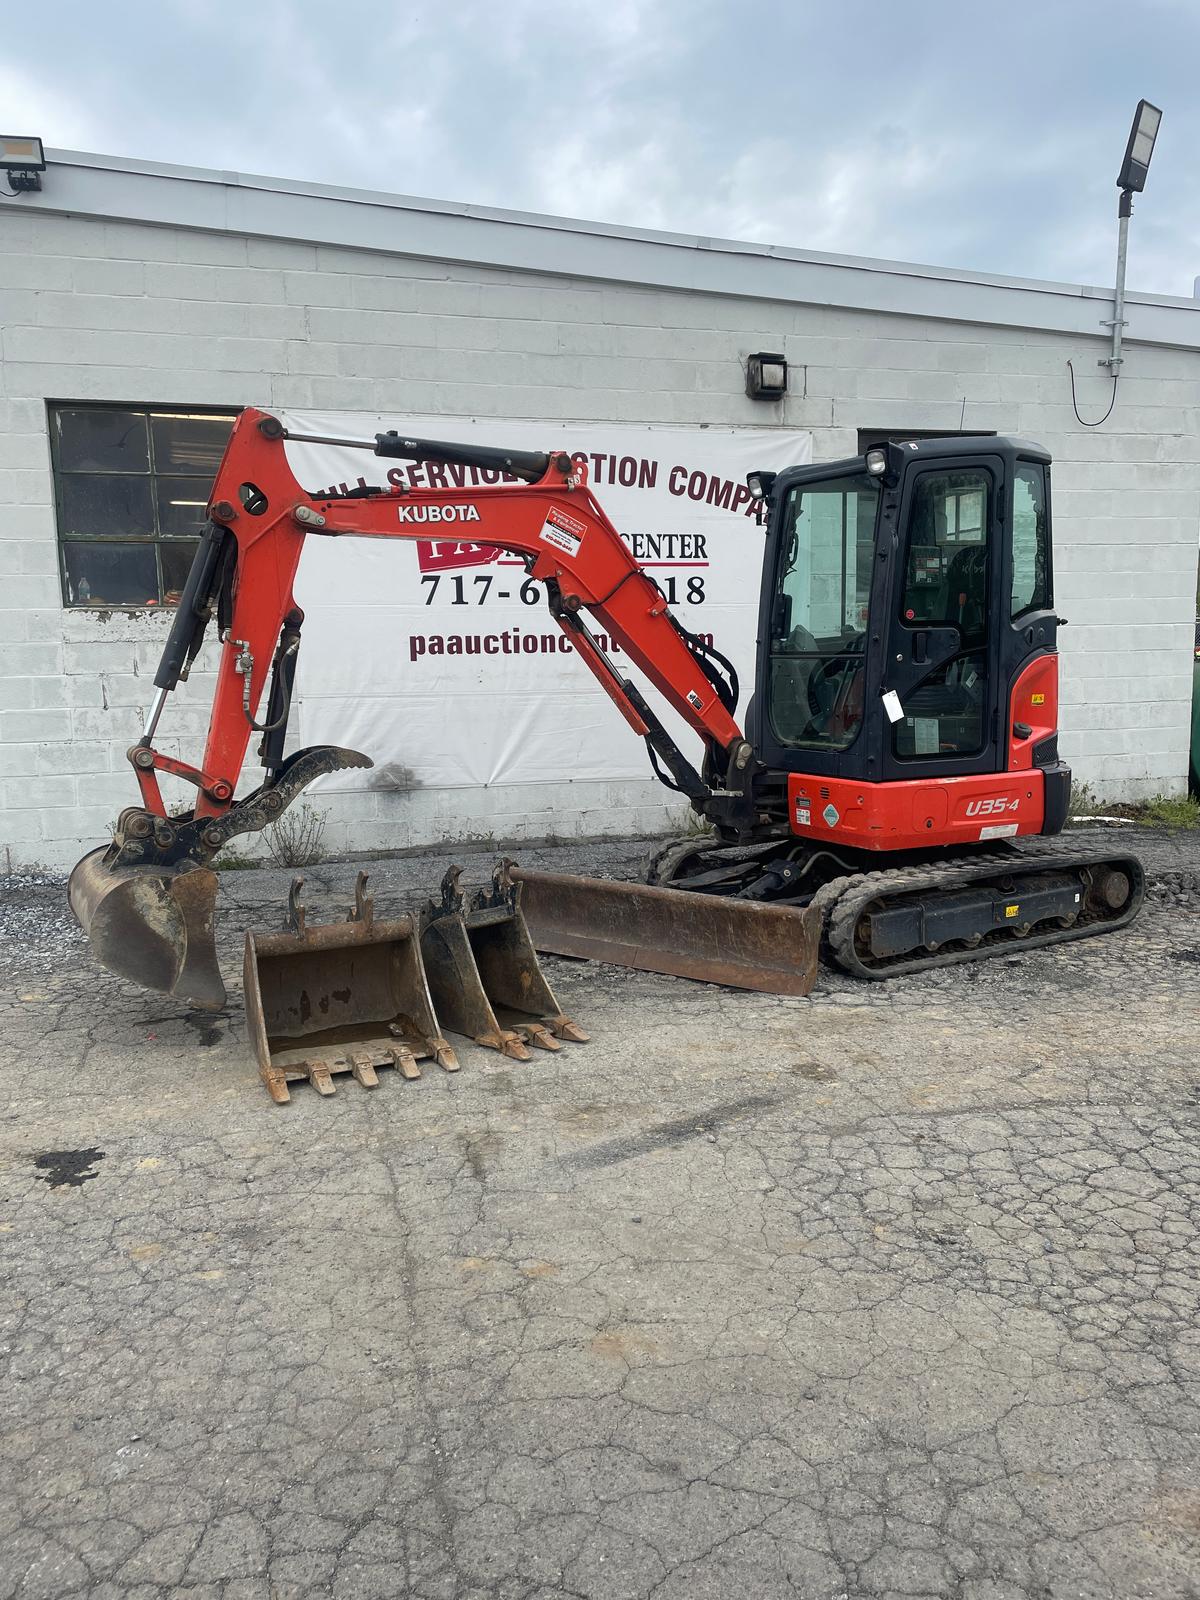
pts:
[892, 789]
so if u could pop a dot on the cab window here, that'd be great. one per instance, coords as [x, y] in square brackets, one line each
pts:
[1030, 545]
[819, 617]
[946, 586]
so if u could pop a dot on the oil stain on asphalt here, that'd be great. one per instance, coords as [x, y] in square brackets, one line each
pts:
[68, 1168]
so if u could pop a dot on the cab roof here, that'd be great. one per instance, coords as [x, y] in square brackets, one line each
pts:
[952, 446]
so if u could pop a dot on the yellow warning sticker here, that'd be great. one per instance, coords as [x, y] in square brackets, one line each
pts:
[1011, 911]
[1037, 699]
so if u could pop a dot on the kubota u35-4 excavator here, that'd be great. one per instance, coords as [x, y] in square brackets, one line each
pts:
[899, 760]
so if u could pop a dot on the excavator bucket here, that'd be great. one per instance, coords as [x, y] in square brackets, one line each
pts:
[344, 997]
[484, 973]
[152, 925]
[743, 943]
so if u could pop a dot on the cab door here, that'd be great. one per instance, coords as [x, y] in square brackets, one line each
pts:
[941, 682]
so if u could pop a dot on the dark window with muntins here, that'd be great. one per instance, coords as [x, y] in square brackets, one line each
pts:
[131, 484]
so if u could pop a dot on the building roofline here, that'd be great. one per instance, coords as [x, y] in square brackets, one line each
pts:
[119, 189]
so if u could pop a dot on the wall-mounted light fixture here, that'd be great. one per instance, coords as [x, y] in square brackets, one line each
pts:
[766, 376]
[24, 160]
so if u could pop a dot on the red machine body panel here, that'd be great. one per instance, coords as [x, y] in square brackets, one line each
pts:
[1033, 704]
[915, 814]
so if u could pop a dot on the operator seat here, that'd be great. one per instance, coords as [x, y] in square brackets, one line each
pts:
[954, 694]
[963, 596]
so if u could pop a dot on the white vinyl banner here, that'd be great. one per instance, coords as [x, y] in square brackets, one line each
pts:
[437, 657]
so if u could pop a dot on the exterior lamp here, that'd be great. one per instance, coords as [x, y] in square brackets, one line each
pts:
[24, 160]
[884, 461]
[1131, 180]
[766, 376]
[1140, 147]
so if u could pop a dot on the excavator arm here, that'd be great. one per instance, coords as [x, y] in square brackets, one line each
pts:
[147, 899]
[244, 572]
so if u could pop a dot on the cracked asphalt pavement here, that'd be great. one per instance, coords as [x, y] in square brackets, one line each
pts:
[888, 1292]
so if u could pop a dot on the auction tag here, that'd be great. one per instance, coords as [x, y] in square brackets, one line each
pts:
[563, 531]
[891, 704]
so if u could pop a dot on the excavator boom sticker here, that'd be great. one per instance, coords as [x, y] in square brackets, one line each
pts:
[562, 531]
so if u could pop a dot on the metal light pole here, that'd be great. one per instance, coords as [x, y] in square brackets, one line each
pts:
[1130, 180]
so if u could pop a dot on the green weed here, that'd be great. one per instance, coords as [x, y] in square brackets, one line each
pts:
[1174, 811]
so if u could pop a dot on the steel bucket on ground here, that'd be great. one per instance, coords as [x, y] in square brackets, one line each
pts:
[346, 997]
[484, 973]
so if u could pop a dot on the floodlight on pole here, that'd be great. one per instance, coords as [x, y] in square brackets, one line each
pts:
[1140, 147]
[1131, 180]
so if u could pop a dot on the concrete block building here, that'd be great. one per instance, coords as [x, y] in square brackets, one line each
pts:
[141, 305]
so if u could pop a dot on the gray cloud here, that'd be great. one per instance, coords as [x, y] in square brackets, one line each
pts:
[963, 135]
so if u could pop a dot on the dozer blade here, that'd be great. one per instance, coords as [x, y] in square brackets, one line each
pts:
[153, 925]
[742, 943]
[484, 973]
[345, 997]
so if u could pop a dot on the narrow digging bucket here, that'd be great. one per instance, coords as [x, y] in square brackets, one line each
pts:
[345, 997]
[151, 925]
[484, 973]
[742, 943]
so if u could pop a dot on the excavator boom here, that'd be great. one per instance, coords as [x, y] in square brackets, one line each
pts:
[146, 900]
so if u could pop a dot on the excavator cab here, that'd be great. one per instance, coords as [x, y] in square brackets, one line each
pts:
[908, 639]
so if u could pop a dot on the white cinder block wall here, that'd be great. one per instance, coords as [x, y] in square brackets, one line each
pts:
[99, 309]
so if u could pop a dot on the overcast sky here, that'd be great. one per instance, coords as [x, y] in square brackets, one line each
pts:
[967, 134]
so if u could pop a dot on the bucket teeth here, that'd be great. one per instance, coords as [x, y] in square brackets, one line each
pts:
[445, 1057]
[355, 996]
[277, 1085]
[405, 1063]
[320, 1077]
[564, 1028]
[536, 1033]
[438, 1049]
[363, 1069]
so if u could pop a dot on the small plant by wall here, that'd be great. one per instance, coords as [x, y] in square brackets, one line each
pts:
[295, 840]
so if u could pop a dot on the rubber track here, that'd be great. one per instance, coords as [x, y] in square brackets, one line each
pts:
[845, 899]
